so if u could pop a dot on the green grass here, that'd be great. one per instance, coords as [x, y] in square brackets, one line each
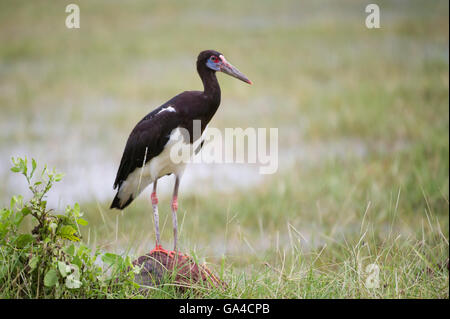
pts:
[369, 109]
[313, 240]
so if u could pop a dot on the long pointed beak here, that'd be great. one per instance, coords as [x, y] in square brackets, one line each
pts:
[227, 68]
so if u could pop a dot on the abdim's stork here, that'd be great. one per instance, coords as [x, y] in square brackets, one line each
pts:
[147, 153]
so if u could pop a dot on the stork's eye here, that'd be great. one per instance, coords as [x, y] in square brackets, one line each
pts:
[214, 59]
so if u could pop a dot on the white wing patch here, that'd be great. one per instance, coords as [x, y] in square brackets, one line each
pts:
[167, 109]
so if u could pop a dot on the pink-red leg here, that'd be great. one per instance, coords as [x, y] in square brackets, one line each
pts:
[154, 199]
[174, 212]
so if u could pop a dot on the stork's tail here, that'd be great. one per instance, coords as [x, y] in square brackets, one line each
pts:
[120, 204]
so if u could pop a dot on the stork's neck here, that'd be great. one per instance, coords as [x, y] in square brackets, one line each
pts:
[211, 88]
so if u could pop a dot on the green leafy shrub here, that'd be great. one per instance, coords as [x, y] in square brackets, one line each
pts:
[50, 261]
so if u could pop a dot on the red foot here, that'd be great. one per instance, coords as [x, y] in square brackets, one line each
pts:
[158, 248]
[154, 198]
[171, 253]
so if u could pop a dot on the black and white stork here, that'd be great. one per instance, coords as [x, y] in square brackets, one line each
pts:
[146, 157]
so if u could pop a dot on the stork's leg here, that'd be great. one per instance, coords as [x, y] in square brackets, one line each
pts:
[155, 214]
[174, 212]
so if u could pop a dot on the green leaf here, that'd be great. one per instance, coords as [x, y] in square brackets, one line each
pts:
[68, 232]
[4, 212]
[72, 280]
[24, 166]
[83, 250]
[13, 202]
[15, 169]
[3, 270]
[18, 218]
[76, 210]
[51, 278]
[44, 170]
[82, 222]
[25, 211]
[23, 240]
[112, 259]
[64, 269]
[135, 285]
[33, 164]
[70, 250]
[33, 262]
[77, 261]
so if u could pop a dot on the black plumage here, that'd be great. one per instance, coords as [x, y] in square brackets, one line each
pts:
[149, 137]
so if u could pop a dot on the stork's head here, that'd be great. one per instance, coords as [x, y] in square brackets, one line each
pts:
[216, 61]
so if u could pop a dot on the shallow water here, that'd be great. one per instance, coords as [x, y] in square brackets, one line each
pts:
[86, 142]
[90, 171]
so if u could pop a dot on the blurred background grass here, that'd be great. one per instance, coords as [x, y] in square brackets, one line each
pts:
[362, 115]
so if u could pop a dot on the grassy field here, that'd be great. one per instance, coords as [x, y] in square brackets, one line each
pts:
[363, 123]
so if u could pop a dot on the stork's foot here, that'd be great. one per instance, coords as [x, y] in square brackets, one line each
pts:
[161, 266]
[158, 248]
[170, 253]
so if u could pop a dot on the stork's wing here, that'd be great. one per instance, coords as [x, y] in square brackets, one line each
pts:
[147, 140]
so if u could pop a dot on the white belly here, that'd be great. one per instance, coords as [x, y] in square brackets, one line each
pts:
[157, 167]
